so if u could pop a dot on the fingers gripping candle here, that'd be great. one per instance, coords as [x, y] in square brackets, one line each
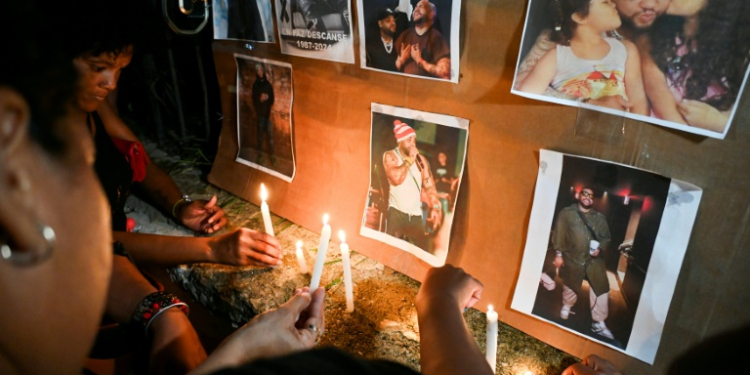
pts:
[325, 236]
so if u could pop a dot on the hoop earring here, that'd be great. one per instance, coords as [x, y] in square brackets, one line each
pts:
[35, 256]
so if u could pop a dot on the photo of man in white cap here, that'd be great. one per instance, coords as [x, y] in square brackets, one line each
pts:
[411, 185]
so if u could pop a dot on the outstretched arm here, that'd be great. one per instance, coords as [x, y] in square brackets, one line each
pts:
[198, 215]
[241, 247]
[447, 346]
[634, 80]
[541, 76]
[429, 189]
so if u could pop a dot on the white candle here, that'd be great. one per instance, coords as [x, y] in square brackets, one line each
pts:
[264, 210]
[325, 236]
[347, 272]
[491, 351]
[301, 258]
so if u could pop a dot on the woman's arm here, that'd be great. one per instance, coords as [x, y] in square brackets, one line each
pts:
[241, 247]
[199, 215]
[634, 80]
[655, 83]
[702, 115]
[174, 342]
[446, 344]
[540, 77]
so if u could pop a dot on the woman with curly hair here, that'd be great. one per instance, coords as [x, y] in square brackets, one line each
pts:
[695, 60]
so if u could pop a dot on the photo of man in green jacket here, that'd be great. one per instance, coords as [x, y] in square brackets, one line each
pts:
[580, 238]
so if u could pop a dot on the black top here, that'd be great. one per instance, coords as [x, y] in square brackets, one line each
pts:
[262, 86]
[378, 57]
[114, 172]
[326, 361]
[244, 21]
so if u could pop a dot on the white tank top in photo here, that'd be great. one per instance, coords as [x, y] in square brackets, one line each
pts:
[591, 79]
[406, 197]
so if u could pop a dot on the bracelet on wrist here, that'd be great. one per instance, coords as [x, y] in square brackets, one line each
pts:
[558, 253]
[184, 199]
[154, 305]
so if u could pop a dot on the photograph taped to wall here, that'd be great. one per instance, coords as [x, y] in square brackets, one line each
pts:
[604, 248]
[652, 63]
[416, 164]
[264, 116]
[388, 27]
[318, 29]
[250, 20]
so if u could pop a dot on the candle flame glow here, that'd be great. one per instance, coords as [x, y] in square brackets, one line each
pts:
[325, 219]
[489, 308]
[528, 373]
[263, 192]
[342, 236]
[299, 244]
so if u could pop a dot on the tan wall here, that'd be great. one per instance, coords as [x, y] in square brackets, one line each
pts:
[331, 127]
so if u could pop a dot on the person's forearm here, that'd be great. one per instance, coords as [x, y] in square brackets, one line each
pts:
[127, 288]
[397, 174]
[439, 70]
[160, 187]
[175, 347]
[446, 345]
[165, 250]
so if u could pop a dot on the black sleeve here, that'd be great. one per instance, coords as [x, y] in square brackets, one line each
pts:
[327, 361]
[270, 94]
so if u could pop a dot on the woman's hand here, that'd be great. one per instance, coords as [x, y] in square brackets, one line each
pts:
[202, 216]
[245, 247]
[702, 115]
[592, 365]
[294, 326]
[447, 346]
[450, 283]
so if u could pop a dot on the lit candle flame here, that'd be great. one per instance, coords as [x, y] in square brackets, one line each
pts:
[325, 219]
[489, 308]
[263, 192]
[342, 236]
[299, 244]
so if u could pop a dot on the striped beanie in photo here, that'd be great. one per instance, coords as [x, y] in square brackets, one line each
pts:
[402, 131]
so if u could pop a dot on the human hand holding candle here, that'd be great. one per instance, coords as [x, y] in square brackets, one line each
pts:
[348, 287]
[491, 347]
[325, 236]
[301, 258]
[264, 210]
[446, 343]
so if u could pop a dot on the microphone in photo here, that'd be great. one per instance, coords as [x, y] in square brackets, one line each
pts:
[420, 164]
